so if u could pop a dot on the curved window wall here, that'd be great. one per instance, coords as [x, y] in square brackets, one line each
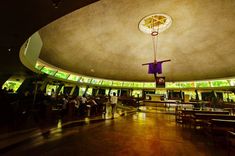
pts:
[63, 75]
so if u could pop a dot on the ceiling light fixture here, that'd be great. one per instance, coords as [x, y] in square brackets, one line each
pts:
[154, 24]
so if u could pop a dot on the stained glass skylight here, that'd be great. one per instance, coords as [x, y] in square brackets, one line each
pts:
[157, 22]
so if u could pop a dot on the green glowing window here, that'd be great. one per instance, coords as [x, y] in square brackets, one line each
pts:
[149, 85]
[117, 83]
[114, 91]
[160, 92]
[106, 83]
[89, 91]
[138, 84]
[61, 75]
[106, 91]
[82, 90]
[48, 71]
[73, 78]
[137, 93]
[128, 84]
[11, 85]
[49, 89]
[85, 80]
[203, 84]
[232, 82]
[39, 66]
[96, 81]
[187, 84]
[191, 94]
[172, 85]
[219, 83]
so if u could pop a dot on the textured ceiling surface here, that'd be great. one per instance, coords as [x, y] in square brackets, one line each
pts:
[103, 40]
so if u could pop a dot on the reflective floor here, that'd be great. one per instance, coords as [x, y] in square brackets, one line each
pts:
[139, 134]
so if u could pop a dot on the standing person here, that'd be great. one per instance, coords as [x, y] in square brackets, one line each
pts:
[113, 100]
[83, 106]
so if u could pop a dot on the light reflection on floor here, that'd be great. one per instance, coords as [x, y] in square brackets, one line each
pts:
[140, 134]
[139, 116]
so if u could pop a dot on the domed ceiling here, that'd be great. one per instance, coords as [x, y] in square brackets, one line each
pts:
[103, 40]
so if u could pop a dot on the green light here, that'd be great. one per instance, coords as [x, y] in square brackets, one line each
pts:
[138, 84]
[117, 83]
[39, 66]
[106, 83]
[149, 85]
[202, 84]
[220, 83]
[61, 75]
[73, 78]
[172, 85]
[14, 85]
[96, 81]
[48, 71]
[128, 84]
[110, 83]
[85, 80]
[186, 84]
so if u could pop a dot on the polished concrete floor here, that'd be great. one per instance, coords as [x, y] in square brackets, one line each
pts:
[138, 134]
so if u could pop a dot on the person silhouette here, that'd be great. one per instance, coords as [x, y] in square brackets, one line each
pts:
[113, 100]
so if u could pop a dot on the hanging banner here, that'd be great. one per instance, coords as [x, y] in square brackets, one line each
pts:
[155, 68]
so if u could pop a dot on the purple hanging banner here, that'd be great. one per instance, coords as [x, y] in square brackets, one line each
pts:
[155, 68]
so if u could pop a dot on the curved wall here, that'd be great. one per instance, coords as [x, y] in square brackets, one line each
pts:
[30, 51]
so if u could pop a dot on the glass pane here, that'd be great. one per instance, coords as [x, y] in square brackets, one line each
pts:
[106, 83]
[89, 91]
[137, 93]
[149, 85]
[96, 81]
[48, 71]
[172, 85]
[82, 90]
[219, 83]
[160, 92]
[232, 82]
[138, 84]
[73, 78]
[49, 89]
[85, 80]
[61, 75]
[11, 86]
[127, 84]
[106, 91]
[114, 91]
[187, 84]
[117, 83]
[39, 66]
[203, 84]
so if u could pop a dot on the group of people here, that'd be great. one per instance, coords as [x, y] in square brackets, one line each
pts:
[21, 109]
[86, 105]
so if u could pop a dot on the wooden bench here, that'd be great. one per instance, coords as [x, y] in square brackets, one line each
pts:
[201, 119]
[188, 115]
[217, 128]
[223, 123]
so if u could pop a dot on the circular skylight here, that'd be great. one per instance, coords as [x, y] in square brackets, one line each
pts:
[155, 23]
